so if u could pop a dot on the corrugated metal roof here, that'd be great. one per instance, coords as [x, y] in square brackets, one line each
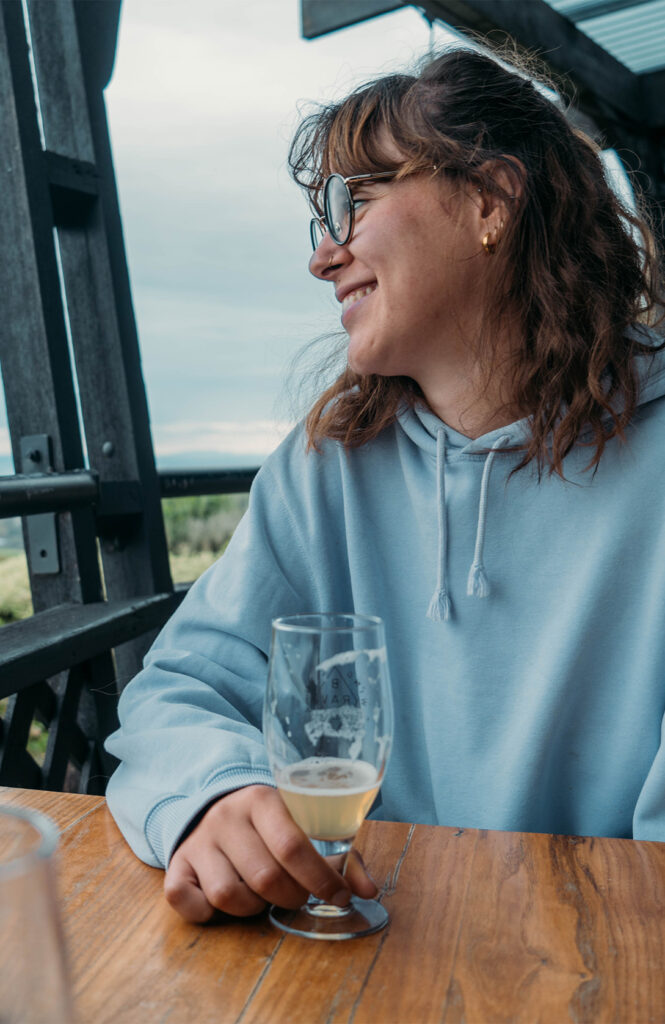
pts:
[633, 31]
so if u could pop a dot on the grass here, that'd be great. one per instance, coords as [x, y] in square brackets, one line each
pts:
[186, 566]
[15, 603]
[15, 600]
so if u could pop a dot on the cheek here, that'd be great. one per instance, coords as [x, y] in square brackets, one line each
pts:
[448, 274]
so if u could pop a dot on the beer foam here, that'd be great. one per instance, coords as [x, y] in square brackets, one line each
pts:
[347, 657]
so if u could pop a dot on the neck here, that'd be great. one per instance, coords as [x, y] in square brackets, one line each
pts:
[471, 399]
[473, 420]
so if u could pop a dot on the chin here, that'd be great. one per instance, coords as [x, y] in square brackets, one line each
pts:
[364, 361]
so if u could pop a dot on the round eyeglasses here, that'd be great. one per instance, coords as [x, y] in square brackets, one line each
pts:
[339, 207]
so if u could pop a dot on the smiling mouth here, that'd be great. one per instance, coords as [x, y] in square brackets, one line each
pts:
[359, 293]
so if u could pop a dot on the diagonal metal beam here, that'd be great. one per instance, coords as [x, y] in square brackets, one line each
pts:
[321, 16]
[626, 107]
[573, 54]
[653, 90]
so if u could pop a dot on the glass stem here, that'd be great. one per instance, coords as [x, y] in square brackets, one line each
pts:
[335, 848]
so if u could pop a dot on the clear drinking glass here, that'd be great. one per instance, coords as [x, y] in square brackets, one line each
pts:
[327, 724]
[33, 977]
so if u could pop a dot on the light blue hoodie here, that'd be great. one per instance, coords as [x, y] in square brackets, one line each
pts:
[534, 703]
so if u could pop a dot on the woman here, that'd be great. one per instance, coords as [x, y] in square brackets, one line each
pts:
[486, 475]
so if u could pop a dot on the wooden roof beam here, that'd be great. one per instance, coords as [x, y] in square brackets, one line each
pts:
[318, 17]
[594, 73]
[599, 80]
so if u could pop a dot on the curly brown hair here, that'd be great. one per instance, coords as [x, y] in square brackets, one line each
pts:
[576, 269]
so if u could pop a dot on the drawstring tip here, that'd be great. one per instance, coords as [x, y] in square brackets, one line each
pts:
[439, 607]
[477, 584]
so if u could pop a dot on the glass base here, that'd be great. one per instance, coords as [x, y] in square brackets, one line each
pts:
[317, 920]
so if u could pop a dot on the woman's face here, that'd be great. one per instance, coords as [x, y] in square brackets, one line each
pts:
[410, 278]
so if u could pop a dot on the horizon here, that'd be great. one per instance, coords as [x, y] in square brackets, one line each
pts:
[216, 233]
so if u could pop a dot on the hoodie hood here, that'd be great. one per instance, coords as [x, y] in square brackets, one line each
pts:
[440, 441]
[423, 426]
[651, 369]
[437, 439]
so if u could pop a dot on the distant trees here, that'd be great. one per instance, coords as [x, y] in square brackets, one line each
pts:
[203, 523]
[197, 531]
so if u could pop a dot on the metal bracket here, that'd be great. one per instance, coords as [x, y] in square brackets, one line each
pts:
[43, 553]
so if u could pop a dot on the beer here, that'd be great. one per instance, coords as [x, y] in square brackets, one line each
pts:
[328, 796]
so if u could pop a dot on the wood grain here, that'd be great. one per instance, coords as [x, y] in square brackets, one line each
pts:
[65, 809]
[551, 923]
[132, 957]
[409, 981]
[312, 982]
[486, 927]
[621, 908]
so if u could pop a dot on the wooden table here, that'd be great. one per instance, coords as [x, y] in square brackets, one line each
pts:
[486, 927]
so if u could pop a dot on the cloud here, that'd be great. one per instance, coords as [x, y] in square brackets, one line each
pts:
[219, 64]
[256, 437]
[216, 233]
[223, 357]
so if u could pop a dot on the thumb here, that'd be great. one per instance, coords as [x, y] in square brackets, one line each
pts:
[358, 877]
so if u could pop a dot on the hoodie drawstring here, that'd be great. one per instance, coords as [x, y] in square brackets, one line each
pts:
[439, 606]
[477, 583]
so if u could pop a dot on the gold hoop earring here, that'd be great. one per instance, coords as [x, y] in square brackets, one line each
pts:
[488, 247]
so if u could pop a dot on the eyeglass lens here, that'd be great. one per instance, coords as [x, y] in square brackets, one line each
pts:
[337, 208]
[316, 232]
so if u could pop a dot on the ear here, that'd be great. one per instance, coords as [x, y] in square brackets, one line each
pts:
[499, 195]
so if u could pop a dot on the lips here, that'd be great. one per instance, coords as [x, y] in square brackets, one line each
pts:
[358, 293]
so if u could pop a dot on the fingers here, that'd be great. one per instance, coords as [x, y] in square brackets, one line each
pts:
[358, 876]
[252, 859]
[214, 885]
[183, 893]
[293, 851]
[247, 851]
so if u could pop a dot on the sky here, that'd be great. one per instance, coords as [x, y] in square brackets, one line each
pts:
[216, 232]
[204, 99]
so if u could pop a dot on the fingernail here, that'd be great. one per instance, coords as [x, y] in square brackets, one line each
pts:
[369, 874]
[341, 898]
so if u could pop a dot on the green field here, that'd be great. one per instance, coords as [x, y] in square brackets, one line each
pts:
[15, 602]
[197, 529]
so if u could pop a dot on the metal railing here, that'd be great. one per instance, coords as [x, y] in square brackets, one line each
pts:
[34, 493]
[58, 642]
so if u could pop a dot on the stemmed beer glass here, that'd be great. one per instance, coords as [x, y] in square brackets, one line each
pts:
[327, 724]
[34, 984]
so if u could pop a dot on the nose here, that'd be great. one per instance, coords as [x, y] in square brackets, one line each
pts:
[327, 258]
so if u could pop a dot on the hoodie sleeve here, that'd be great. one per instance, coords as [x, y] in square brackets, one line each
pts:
[190, 722]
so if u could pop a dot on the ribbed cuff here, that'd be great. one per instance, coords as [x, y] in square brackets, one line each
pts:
[171, 816]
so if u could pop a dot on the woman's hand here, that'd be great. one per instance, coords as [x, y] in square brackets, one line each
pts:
[247, 851]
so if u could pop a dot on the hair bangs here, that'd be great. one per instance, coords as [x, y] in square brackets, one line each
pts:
[350, 137]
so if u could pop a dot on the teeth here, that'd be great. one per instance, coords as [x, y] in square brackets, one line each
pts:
[360, 293]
